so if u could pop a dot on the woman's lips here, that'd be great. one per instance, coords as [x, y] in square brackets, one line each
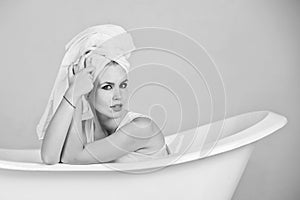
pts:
[116, 107]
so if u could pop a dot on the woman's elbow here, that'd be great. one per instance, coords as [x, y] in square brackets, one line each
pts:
[48, 159]
[49, 156]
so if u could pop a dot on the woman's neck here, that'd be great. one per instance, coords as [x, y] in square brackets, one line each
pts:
[110, 124]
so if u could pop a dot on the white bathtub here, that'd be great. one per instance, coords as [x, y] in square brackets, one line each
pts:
[210, 175]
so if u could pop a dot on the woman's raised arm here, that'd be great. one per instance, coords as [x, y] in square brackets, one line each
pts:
[75, 139]
[57, 130]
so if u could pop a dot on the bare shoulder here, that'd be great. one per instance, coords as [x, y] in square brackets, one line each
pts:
[149, 127]
[143, 131]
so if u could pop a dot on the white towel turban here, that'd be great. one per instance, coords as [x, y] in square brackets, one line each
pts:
[110, 41]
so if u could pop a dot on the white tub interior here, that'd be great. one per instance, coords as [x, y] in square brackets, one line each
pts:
[190, 141]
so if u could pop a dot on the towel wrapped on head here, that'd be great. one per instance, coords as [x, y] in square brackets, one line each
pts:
[104, 43]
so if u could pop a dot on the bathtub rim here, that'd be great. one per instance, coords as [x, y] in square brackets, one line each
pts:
[269, 124]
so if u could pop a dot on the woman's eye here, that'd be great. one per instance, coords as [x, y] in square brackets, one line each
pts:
[106, 87]
[124, 85]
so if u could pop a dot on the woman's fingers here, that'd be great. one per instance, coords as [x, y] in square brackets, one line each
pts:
[89, 69]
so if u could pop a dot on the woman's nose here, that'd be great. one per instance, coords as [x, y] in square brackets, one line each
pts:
[117, 94]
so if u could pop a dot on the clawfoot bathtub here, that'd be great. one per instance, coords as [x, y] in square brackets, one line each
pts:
[195, 169]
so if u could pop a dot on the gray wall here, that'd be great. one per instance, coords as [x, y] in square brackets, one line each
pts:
[254, 43]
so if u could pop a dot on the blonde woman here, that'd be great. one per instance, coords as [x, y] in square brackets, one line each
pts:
[110, 133]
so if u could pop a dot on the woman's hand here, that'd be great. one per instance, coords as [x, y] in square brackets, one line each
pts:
[80, 84]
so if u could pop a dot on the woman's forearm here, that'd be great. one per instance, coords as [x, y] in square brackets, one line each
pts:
[57, 130]
[75, 139]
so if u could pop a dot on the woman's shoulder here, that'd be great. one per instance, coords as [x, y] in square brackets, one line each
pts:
[145, 130]
[139, 121]
[136, 115]
[153, 133]
[151, 129]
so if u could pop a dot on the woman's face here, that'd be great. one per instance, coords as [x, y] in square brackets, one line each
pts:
[111, 89]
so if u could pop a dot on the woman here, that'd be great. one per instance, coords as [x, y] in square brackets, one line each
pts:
[113, 133]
